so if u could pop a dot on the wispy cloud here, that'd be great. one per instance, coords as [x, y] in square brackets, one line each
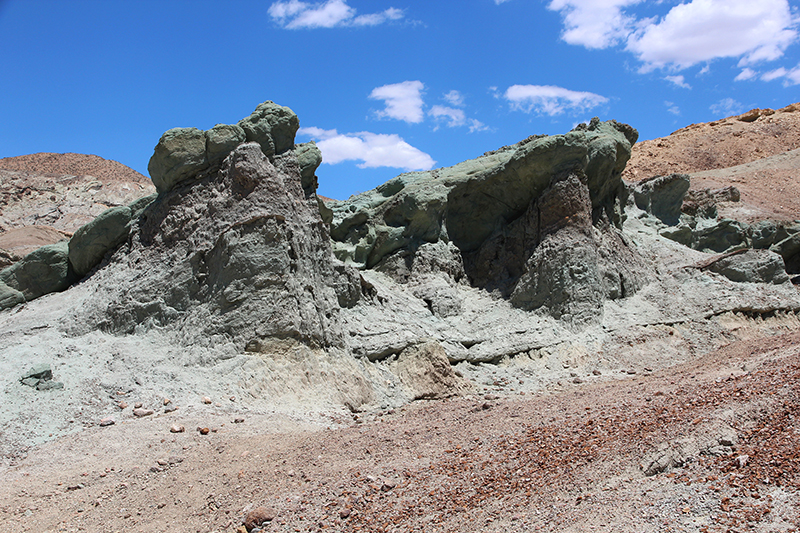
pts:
[746, 74]
[403, 101]
[296, 14]
[672, 108]
[551, 100]
[691, 33]
[790, 76]
[727, 107]
[371, 149]
[679, 81]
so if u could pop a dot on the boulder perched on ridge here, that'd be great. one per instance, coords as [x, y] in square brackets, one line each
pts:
[183, 153]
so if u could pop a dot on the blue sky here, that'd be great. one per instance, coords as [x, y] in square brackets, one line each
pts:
[383, 86]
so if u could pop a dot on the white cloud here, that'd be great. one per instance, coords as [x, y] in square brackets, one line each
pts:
[551, 100]
[702, 30]
[453, 116]
[727, 107]
[672, 108]
[403, 101]
[679, 81]
[295, 14]
[690, 33]
[371, 149]
[791, 77]
[746, 74]
[594, 23]
[454, 98]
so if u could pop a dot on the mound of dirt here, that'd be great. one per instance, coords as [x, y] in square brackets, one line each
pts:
[69, 164]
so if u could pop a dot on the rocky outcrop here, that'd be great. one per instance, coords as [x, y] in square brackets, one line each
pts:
[243, 254]
[662, 196]
[40, 272]
[531, 221]
[184, 153]
[104, 234]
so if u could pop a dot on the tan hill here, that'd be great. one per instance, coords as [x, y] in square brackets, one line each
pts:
[759, 149]
[58, 193]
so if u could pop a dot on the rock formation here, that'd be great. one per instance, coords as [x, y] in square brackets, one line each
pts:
[529, 260]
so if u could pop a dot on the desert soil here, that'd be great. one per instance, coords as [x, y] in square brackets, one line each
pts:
[570, 457]
[566, 459]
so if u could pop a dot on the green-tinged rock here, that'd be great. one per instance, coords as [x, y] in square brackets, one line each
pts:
[92, 241]
[221, 140]
[9, 297]
[662, 197]
[681, 234]
[40, 371]
[309, 158]
[720, 236]
[762, 234]
[180, 154]
[49, 385]
[789, 250]
[272, 126]
[752, 266]
[41, 272]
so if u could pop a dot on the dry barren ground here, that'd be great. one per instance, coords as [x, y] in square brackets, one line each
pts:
[718, 435]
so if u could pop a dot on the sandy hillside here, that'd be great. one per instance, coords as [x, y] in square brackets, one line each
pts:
[757, 152]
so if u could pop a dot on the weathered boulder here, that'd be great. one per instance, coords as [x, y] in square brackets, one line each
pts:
[40, 272]
[272, 126]
[92, 241]
[184, 153]
[703, 202]
[662, 196]
[221, 140]
[9, 297]
[425, 372]
[719, 236]
[789, 250]
[179, 154]
[309, 157]
[752, 266]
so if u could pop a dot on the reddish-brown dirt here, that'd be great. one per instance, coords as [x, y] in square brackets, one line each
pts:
[559, 461]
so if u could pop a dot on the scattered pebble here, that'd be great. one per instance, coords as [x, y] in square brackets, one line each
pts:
[167, 401]
[170, 408]
[238, 420]
[107, 421]
[122, 405]
[206, 400]
[257, 517]
[596, 372]
[175, 428]
[203, 431]
[140, 412]
[137, 405]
